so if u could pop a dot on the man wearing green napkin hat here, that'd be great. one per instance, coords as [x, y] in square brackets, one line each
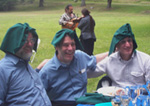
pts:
[127, 66]
[64, 76]
[20, 85]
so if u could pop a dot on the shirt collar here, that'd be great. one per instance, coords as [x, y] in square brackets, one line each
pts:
[59, 64]
[119, 57]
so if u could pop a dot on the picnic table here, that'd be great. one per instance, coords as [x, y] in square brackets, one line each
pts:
[128, 96]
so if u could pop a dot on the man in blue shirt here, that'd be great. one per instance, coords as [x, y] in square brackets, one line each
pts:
[20, 85]
[64, 76]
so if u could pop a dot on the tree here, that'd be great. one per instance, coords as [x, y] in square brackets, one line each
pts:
[6, 5]
[31, 1]
[83, 3]
[22, 1]
[41, 3]
[109, 4]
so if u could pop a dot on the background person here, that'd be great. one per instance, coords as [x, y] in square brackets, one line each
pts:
[20, 85]
[67, 16]
[127, 66]
[64, 76]
[87, 37]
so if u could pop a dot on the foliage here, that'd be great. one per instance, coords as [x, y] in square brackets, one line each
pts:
[23, 1]
[6, 5]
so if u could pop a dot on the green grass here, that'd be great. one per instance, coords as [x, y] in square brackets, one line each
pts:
[45, 20]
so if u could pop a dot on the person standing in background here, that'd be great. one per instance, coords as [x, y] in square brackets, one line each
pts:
[66, 18]
[87, 37]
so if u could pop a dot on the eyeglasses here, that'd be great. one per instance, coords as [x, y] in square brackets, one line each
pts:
[129, 40]
[31, 40]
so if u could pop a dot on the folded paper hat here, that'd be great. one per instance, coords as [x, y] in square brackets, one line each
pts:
[123, 32]
[16, 37]
[62, 33]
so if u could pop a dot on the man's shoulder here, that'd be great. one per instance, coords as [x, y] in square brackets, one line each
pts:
[50, 65]
[6, 62]
[142, 54]
[114, 55]
[7, 67]
[81, 56]
[79, 53]
[64, 14]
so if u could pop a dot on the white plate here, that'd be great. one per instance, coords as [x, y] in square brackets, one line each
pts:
[109, 91]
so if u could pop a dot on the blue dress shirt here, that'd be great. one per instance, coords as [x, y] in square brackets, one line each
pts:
[20, 85]
[66, 82]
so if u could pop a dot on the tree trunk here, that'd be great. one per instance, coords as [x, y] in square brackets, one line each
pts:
[109, 4]
[41, 2]
[22, 1]
[31, 1]
[83, 3]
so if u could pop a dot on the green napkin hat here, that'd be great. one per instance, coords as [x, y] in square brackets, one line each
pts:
[16, 37]
[123, 32]
[62, 33]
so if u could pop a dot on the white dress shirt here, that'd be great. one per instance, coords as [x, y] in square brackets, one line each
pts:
[135, 71]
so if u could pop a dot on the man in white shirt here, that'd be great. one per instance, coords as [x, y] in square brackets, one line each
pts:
[127, 66]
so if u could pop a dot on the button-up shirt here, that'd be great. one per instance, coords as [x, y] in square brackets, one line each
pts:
[65, 18]
[135, 71]
[20, 85]
[67, 82]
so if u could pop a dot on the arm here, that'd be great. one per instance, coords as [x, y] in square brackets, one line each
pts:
[82, 23]
[40, 66]
[100, 67]
[101, 56]
[147, 75]
[3, 87]
[66, 19]
[99, 70]
[44, 75]
[63, 19]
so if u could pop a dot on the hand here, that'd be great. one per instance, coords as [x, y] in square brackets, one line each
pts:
[82, 16]
[71, 23]
[40, 66]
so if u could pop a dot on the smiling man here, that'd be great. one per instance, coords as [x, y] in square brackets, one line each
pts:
[20, 85]
[127, 66]
[64, 76]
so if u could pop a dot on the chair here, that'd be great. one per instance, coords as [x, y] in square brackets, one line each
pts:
[104, 82]
[33, 51]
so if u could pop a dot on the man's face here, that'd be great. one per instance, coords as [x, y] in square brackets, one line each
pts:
[70, 11]
[66, 50]
[26, 51]
[125, 47]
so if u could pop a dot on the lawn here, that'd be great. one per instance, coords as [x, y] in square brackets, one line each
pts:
[45, 21]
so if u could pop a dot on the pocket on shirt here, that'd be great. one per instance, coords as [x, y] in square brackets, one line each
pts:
[81, 78]
[136, 74]
[137, 77]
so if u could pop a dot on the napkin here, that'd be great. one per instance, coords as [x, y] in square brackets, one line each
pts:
[93, 98]
[104, 104]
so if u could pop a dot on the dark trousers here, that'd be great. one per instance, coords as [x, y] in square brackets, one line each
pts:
[88, 45]
[64, 103]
